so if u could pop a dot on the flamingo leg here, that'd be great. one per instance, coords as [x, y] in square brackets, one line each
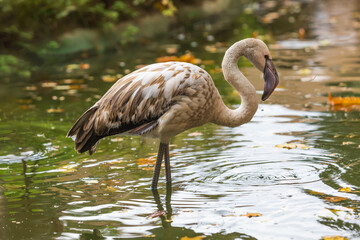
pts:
[167, 165]
[157, 169]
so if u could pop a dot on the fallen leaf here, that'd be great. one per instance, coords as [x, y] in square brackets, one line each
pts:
[148, 168]
[347, 143]
[302, 33]
[157, 214]
[68, 168]
[250, 215]
[344, 103]
[84, 66]
[335, 199]
[117, 139]
[146, 161]
[149, 236]
[48, 84]
[31, 88]
[334, 238]
[316, 193]
[304, 71]
[109, 78]
[193, 238]
[55, 110]
[345, 189]
[292, 146]
[188, 57]
[193, 134]
[111, 189]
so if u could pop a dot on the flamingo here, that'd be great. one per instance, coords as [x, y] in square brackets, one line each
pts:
[162, 100]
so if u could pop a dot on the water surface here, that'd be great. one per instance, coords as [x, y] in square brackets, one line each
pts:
[220, 174]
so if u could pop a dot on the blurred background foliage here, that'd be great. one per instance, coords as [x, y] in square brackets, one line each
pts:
[24, 24]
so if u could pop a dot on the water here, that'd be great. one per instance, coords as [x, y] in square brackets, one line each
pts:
[220, 174]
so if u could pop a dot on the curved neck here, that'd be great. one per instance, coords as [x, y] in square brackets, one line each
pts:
[232, 74]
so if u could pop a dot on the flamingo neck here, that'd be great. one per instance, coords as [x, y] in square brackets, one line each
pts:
[249, 103]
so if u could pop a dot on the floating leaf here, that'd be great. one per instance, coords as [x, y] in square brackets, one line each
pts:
[48, 84]
[345, 189]
[250, 215]
[68, 168]
[55, 110]
[109, 78]
[334, 238]
[117, 139]
[292, 146]
[111, 189]
[193, 238]
[304, 71]
[84, 66]
[188, 57]
[335, 199]
[344, 103]
[157, 214]
[146, 161]
[193, 134]
[316, 193]
[347, 143]
[149, 236]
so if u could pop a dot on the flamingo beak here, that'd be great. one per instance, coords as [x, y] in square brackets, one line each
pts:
[271, 78]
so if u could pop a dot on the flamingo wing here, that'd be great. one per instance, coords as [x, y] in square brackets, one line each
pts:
[133, 104]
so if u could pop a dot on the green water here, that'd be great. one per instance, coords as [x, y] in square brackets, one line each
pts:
[48, 191]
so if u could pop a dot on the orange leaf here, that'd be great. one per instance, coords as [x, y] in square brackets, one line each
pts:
[146, 161]
[344, 103]
[188, 57]
[334, 238]
[250, 215]
[55, 110]
[192, 238]
[336, 199]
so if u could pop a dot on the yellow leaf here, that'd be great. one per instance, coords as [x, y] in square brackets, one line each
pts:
[346, 189]
[149, 236]
[55, 110]
[192, 238]
[292, 146]
[111, 189]
[334, 238]
[304, 71]
[68, 168]
[109, 78]
[49, 84]
[250, 215]
[146, 161]
[316, 193]
[335, 199]
[188, 57]
[347, 143]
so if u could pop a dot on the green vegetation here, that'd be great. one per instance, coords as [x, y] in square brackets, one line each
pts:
[25, 24]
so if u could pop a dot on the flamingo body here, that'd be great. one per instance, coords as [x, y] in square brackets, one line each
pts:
[164, 99]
